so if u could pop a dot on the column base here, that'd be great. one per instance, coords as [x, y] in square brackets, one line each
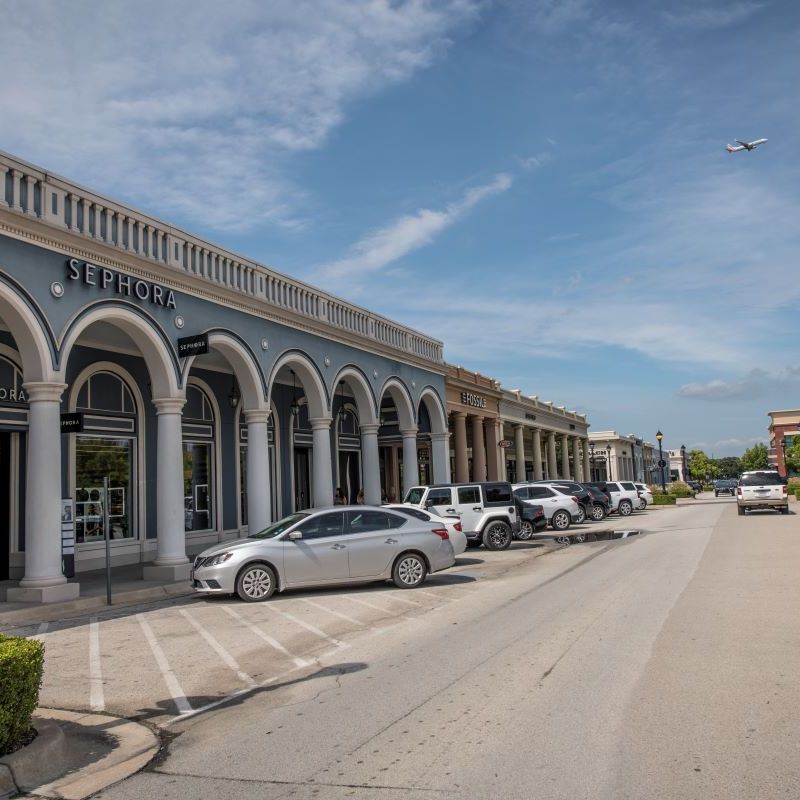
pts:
[43, 594]
[173, 572]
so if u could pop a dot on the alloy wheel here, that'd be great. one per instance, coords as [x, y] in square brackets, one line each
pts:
[411, 571]
[525, 531]
[257, 583]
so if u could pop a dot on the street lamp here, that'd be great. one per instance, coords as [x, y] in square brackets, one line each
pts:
[591, 458]
[659, 437]
[608, 463]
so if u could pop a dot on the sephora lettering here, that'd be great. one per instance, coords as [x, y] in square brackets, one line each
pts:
[91, 275]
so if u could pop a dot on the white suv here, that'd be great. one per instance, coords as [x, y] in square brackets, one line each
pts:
[559, 509]
[624, 497]
[487, 510]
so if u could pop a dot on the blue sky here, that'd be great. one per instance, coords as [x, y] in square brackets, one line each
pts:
[543, 185]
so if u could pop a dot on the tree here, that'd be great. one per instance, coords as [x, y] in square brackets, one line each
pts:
[793, 457]
[729, 466]
[701, 467]
[755, 457]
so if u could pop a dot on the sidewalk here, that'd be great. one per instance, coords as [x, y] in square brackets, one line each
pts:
[127, 588]
[76, 754]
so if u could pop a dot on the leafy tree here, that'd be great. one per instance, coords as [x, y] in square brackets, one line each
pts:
[793, 456]
[701, 466]
[729, 467]
[755, 457]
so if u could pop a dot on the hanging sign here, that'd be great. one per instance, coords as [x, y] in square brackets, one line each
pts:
[193, 345]
[505, 443]
[72, 423]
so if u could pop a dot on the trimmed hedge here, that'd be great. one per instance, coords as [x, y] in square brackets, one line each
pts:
[21, 664]
[679, 489]
[664, 500]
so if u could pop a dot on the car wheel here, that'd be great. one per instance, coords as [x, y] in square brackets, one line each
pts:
[598, 512]
[560, 520]
[497, 536]
[741, 511]
[256, 582]
[785, 510]
[625, 508]
[642, 504]
[525, 531]
[580, 516]
[562, 540]
[409, 571]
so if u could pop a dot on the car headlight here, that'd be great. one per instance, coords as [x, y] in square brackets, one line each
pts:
[216, 560]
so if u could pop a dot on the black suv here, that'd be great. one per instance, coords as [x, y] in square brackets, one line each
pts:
[725, 486]
[601, 502]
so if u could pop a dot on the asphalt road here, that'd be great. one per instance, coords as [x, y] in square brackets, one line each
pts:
[663, 665]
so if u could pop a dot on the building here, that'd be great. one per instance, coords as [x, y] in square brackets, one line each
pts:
[612, 456]
[213, 393]
[784, 426]
[678, 466]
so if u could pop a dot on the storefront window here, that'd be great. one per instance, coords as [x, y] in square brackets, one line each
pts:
[197, 496]
[96, 458]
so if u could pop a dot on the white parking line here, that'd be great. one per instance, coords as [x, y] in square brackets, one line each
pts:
[166, 671]
[96, 700]
[274, 643]
[308, 627]
[339, 614]
[437, 596]
[229, 660]
[383, 610]
[405, 600]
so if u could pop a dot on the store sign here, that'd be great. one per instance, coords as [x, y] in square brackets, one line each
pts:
[475, 400]
[8, 395]
[92, 275]
[72, 423]
[505, 443]
[193, 345]
[528, 415]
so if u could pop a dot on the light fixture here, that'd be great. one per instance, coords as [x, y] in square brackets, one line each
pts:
[659, 435]
[294, 408]
[234, 397]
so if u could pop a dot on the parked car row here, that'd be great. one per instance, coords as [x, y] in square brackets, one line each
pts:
[402, 542]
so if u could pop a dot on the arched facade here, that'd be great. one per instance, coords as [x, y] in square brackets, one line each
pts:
[219, 427]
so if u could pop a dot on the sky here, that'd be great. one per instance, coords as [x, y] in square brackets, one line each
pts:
[541, 184]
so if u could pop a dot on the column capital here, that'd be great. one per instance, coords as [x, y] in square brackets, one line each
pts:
[17, 174]
[459, 414]
[255, 415]
[318, 423]
[518, 426]
[440, 437]
[169, 405]
[369, 428]
[38, 391]
[408, 433]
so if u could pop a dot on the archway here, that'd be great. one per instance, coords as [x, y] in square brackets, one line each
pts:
[398, 438]
[432, 409]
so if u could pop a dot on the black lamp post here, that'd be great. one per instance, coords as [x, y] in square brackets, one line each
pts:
[591, 458]
[659, 437]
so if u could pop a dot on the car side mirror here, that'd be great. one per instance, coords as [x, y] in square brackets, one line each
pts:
[295, 535]
[428, 503]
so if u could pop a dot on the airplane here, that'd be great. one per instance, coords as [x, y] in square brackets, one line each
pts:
[744, 145]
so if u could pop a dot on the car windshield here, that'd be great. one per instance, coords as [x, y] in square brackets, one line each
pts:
[725, 484]
[414, 495]
[277, 528]
[761, 479]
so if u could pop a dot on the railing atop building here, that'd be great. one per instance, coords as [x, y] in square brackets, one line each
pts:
[36, 193]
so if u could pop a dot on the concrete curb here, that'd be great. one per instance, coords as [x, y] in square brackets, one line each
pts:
[58, 611]
[50, 767]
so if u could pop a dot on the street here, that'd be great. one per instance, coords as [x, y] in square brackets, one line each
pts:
[661, 665]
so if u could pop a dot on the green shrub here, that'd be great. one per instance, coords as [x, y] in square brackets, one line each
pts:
[793, 484]
[680, 489]
[21, 664]
[797, 493]
[664, 500]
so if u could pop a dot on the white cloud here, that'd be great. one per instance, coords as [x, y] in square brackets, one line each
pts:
[198, 107]
[410, 232]
[757, 383]
[714, 16]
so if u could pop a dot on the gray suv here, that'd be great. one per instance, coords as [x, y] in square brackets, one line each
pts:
[487, 509]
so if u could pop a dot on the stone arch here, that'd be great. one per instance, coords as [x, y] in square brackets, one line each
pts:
[30, 334]
[397, 390]
[244, 364]
[310, 378]
[429, 397]
[147, 335]
[362, 392]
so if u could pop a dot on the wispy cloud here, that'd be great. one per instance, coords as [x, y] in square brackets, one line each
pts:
[757, 383]
[408, 233]
[703, 17]
[198, 108]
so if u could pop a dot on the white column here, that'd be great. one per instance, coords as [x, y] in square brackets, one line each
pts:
[3, 172]
[73, 205]
[109, 237]
[478, 450]
[258, 482]
[552, 468]
[159, 239]
[43, 581]
[150, 241]
[440, 457]
[16, 195]
[121, 226]
[537, 454]
[370, 464]
[85, 227]
[323, 476]
[410, 465]
[519, 448]
[577, 466]
[98, 216]
[564, 456]
[460, 430]
[171, 562]
[30, 208]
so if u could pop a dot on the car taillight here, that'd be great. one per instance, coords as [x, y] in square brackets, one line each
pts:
[575, 498]
[539, 513]
[441, 533]
[457, 527]
[785, 489]
[738, 491]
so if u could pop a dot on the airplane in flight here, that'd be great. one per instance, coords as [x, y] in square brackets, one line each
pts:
[744, 145]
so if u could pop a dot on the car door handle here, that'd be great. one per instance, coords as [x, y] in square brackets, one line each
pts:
[477, 508]
[337, 547]
[390, 541]
[449, 511]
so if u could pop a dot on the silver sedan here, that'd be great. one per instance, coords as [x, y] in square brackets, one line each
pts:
[348, 544]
